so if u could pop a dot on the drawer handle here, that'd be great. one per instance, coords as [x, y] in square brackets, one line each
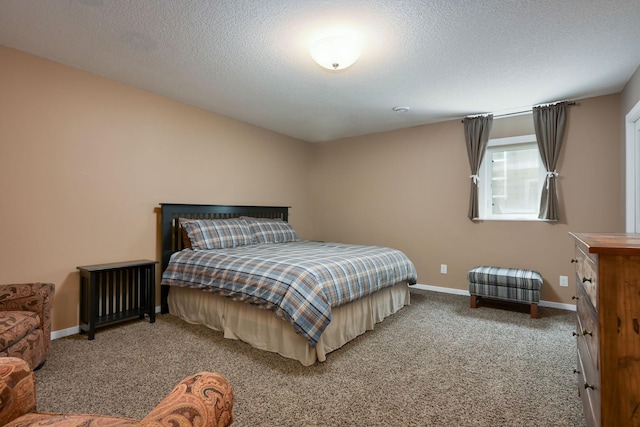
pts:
[575, 371]
[587, 385]
[585, 332]
[575, 334]
[574, 260]
[584, 280]
[574, 297]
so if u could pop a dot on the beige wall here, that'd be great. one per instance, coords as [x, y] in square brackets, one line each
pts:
[85, 162]
[410, 189]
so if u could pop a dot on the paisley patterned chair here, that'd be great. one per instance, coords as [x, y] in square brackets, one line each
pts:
[25, 321]
[204, 399]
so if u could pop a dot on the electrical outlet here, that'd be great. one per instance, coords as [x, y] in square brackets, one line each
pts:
[564, 281]
[443, 268]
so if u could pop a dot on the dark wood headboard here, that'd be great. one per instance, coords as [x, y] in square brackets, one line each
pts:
[171, 240]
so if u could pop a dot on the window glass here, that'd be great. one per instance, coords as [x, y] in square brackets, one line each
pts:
[511, 179]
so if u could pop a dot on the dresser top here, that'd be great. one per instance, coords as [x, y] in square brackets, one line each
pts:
[610, 243]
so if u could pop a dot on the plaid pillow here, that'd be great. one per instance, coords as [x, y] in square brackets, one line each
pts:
[267, 230]
[217, 233]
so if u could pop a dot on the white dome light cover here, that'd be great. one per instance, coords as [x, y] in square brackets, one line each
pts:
[336, 51]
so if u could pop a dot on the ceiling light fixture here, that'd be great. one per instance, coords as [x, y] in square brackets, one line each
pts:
[336, 51]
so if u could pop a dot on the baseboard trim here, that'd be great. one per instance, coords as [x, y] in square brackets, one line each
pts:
[440, 289]
[76, 329]
[558, 305]
[550, 304]
[65, 332]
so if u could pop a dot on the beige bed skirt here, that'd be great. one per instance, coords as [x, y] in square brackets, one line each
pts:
[262, 329]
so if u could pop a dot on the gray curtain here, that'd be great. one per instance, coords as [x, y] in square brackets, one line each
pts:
[549, 122]
[476, 135]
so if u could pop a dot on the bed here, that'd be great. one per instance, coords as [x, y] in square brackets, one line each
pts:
[262, 296]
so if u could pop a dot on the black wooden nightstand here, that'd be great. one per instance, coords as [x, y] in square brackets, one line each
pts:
[115, 292]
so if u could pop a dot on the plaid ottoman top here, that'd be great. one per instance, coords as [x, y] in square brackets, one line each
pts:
[510, 277]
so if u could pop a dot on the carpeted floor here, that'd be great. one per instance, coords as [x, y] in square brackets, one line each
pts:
[435, 363]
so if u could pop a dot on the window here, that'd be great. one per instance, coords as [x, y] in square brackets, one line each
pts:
[511, 179]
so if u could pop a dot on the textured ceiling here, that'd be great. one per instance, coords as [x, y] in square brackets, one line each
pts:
[249, 59]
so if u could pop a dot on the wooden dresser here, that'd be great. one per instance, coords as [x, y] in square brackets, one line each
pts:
[608, 327]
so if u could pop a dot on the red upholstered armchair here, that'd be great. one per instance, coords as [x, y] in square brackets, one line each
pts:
[25, 321]
[204, 399]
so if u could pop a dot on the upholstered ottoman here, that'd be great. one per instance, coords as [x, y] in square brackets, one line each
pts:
[507, 284]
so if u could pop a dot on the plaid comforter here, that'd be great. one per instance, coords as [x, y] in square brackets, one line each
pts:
[299, 281]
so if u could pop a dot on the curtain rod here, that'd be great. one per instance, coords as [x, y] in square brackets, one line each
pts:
[516, 113]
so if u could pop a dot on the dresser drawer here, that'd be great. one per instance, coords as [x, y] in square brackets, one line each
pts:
[587, 324]
[588, 384]
[587, 275]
